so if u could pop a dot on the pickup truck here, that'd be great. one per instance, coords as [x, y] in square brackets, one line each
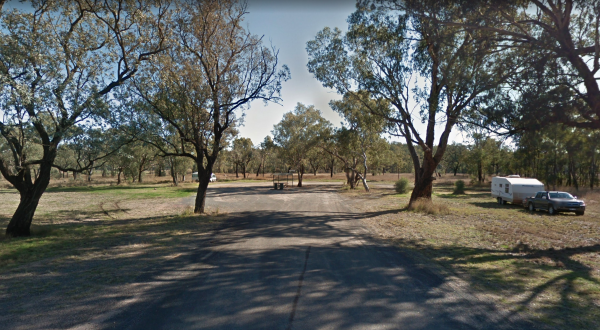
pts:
[554, 202]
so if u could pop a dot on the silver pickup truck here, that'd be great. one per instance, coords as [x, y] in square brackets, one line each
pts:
[554, 202]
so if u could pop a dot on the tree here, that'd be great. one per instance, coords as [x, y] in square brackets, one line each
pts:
[559, 42]
[363, 132]
[212, 72]
[400, 57]
[262, 152]
[297, 133]
[454, 158]
[242, 153]
[59, 64]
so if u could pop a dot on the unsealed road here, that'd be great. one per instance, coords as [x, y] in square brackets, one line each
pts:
[300, 259]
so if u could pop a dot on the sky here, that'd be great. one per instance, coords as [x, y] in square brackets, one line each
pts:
[289, 25]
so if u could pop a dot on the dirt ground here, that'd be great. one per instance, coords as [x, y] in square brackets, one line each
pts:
[546, 265]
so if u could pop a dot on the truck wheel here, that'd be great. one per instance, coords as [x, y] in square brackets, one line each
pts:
[580, 213]
[551, 210]
[531, 208]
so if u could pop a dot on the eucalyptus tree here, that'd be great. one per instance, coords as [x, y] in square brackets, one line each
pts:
[200, 87]
[426, 73]
[558, 41]
[262, 152]
[298, 133]
[60, 61]
[242, 153]
[361, 133]
[455, 157]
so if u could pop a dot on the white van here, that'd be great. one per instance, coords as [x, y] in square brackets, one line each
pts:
[514, 189]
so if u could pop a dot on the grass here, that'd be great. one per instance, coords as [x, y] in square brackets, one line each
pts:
[546, 266]
[92, 243]
[133, 191]
[427, 207]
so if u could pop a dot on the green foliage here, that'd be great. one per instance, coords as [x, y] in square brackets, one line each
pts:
[459, 187]
[298, 133]
[401, 186]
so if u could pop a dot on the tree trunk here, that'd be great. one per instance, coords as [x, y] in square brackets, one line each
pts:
[244, 171]
[174, 176]
[236, 171]
[203, 181]
[300, 174]
[201, 194]
[364, 176]
[424, 180]
[20, 223]
[258, 171]
[119, 176]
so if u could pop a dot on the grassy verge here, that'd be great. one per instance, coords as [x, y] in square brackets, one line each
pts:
[90, 243]
[546, 266]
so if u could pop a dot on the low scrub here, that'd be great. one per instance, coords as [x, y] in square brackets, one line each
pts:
[459, 187]
[401, 186]
[424, 205]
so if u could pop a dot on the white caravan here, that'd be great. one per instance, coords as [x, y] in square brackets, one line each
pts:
[514, 189]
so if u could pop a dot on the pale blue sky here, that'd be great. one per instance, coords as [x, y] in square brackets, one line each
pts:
[288, 25]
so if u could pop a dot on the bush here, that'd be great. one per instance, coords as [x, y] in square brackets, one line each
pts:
[401, 186]
[424, 205]
[459, 187]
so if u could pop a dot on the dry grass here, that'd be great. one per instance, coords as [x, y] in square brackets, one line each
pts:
[92, 247]
[426, 206]
[547, 266]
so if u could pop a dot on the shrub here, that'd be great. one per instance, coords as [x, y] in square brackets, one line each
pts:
[424, 205]
[401, 186]
[459, 187]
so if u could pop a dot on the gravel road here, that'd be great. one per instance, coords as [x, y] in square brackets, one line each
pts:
[302, 259]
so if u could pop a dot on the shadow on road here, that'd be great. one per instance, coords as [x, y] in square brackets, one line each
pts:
[349, 281]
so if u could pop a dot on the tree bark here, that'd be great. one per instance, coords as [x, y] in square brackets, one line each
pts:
[203, 181]
[174, 176]
[300, 174]
[30, 193]
[424, 179]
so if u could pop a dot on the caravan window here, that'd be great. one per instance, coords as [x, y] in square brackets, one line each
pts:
[501, 185]
[506, 189]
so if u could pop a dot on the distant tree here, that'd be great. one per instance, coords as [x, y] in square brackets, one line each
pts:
[454, 158]
[363, 133]
[242, 154]
[297, 134]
